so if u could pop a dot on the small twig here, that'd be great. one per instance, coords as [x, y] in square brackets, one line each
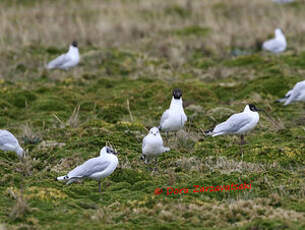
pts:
[57, 118]
[128, 107]
[272, 121]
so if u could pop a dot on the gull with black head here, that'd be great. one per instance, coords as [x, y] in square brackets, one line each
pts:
[239, 123]
[95, 168]
[173, 119]
[67, 60]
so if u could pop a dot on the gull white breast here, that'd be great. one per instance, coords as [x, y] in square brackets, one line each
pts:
[173, 119]
[152, 145]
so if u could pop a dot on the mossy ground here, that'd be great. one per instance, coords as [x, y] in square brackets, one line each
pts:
[115, 95]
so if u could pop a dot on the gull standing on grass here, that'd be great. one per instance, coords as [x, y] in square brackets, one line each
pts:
[8, 142]
[67, 60]
[295, 94]
[95, 168]
[277, 44]
[152, 145]
[173, 119]
[282, 1]
[239, 123]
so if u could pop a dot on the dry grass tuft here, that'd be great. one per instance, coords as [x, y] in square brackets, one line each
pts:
[21, 207]
[73, 120]
[228, 166]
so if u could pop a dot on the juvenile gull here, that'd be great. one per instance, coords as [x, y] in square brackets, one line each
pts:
[277, 44]
[295, 94]
[95, 168]
[67, 60]
[8, 142]
[239, 123]
[173, 119]
[152, 145]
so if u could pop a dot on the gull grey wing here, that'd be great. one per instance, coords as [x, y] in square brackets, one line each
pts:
[164, 117]
[144, 142]
[296, 91]
[57, 62]
[7, 138]
[88, 168]
[233, 124]
[272, 45]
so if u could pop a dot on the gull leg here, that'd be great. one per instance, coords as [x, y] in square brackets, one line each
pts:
[155, 166]
[242, 142]
[99, 186]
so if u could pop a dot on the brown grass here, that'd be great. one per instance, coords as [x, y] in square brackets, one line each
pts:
[104, 23]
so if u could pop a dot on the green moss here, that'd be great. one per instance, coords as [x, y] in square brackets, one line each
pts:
[244, 61]
[20, 98]
[50, 104]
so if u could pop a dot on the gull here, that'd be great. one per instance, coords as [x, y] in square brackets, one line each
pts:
[295, 94]
[282, 1]
[67, 60]
[152, 145]
[8, 142]
[239, 123]
[277, 44]
[95, 168]
[173, 119]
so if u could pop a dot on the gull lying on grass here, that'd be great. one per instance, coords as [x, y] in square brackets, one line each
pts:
[152, 145]
[95, 168]
[295, 94]
[277, 44]
[67, 60]
[239, 123]
[173, 119]
[8, 142]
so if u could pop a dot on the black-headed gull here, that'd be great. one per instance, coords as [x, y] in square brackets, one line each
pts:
[152, 145]
[295, 94]
[8, 142]
[95, 168]
[239, 123]
[67, 60]
[277, 44]
[173, 119]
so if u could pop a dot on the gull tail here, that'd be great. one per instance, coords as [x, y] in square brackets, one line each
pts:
[281, 100]
[166, 149]
[62, 178]
[208, 132]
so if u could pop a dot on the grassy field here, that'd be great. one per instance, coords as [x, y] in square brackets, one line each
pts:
[133, 54]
